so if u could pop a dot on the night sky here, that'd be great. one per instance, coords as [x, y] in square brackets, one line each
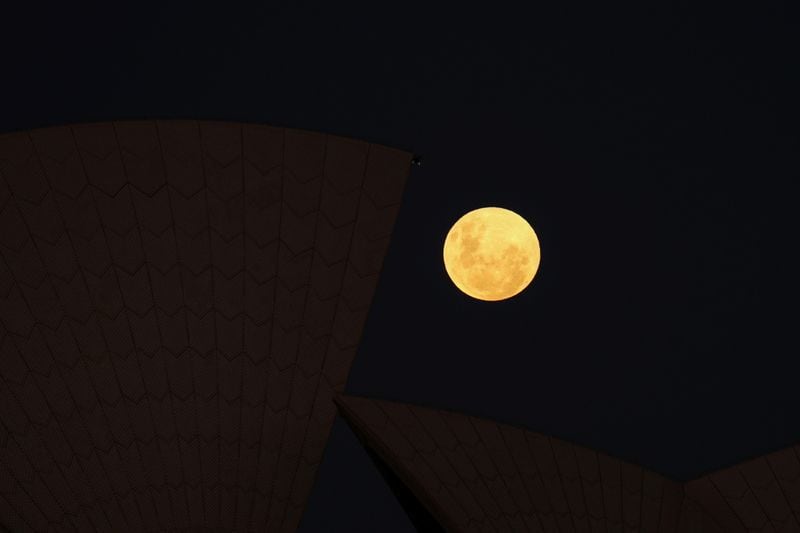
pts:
[653, 149]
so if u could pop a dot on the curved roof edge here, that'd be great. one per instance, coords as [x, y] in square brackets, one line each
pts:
[472, 472]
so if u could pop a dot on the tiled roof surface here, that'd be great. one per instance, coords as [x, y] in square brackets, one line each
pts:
[474, 474]
[477, 475]
[178, 302]
[762, 494]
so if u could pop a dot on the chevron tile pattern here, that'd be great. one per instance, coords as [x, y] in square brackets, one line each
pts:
[477, 475]
[762, 494]
[474, 474]
[179, 300]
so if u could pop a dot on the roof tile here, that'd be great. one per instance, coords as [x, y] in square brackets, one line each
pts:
[348, 325]
[190, 453]
[492, 439]
[259, 299]
[345, 162]
[262, 261]
[180, 507]
[147, 509]
[375, 222]
[163, 502]
[100, 156]
[222, 149]
[387, 169]
[153, 212]
[256, 339]
[229, 374]
[519, 492]
[153, 374]
[25, 265]
[208, 423]
[298, 233]
[730, 484]
[304, 389]
[44, 304]
[189, 213]
[13, 233]
[35, 352]
[225, 216]
[145, 331]
[55, 437]
[785, 463]
[132, 513]
[671, 505]
[60, 159]
[304, 153]
[20, 168]
[141, 420]
[263, 145]
[194, 252]
[129, 376]
[80, 386]
[311, 352]
[227, 504]
[141, 154]
[116, 212]
[43, 218]
[126, 250]
[279, 383]
[199, 291]
[115, 470]
[339, 208]
[337, 364]
[80, 213]
[262, 225]
[178, 368]
[229, 336]
[136, 290]
[228, 255]
[172, 464]
[283, 349]
[14, 367]
[180, 144]
[204, 370]
[105, 291]
[174, 331]
[32, 401]
[703, 492]
[62, 344]
[317, 433]
[184, 410]
[229, 295]
[113, 332]
[56, 393]
[326, 278]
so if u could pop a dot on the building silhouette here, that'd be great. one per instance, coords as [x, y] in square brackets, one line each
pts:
[180, 300]
[471, 474]
[180, 305]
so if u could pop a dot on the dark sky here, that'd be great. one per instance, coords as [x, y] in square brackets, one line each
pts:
[653, 148]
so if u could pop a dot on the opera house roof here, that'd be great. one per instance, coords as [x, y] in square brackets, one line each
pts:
[474, 474]
[180, 305]
[180, 300]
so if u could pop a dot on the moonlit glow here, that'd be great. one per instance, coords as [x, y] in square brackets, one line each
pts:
[491, 253]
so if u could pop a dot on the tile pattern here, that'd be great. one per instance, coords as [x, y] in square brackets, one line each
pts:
[477, 475]
[762, 494]
[179, 301]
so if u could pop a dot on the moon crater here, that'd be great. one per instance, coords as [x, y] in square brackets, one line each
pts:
[491, 253]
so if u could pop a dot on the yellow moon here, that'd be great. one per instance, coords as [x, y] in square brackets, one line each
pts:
[491, 253]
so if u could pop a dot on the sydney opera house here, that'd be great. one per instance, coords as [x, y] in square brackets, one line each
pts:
[180, 305]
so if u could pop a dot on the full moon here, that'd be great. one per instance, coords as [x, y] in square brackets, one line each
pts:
[491, 253]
